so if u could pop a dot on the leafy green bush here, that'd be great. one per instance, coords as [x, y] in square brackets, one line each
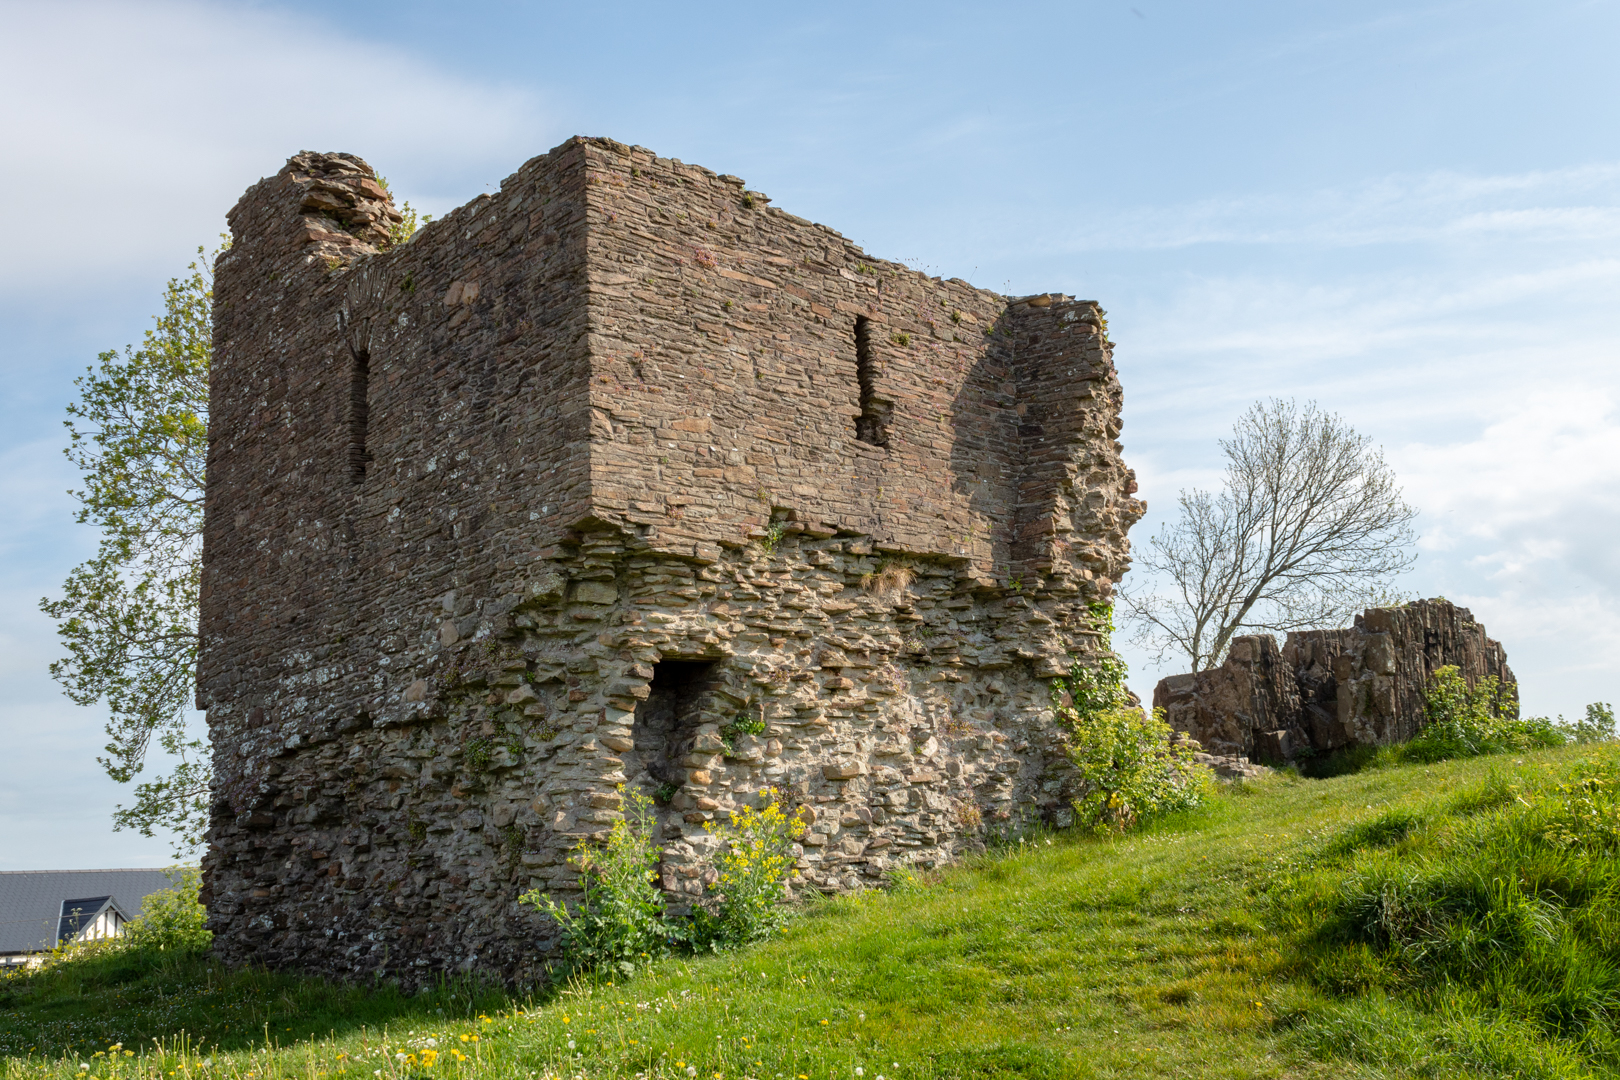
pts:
[172, 919]
[619, 921]
[1464, 721]
[1128, 767]
[753, 862]
[1130, 770]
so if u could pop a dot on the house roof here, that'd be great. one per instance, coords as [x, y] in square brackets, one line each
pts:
[31, 901]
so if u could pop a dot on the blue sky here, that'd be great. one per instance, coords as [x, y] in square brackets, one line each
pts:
[1408, 212]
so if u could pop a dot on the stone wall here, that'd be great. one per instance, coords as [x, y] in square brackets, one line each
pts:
[544, 501]
[1326, 689]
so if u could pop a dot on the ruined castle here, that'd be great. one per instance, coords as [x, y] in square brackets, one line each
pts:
[620, 477]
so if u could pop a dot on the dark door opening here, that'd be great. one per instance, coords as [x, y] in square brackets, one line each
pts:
[665, 722]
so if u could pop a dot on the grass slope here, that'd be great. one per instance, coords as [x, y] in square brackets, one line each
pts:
[1235, 942]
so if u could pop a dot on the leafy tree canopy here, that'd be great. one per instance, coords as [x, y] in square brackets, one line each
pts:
[138, 434]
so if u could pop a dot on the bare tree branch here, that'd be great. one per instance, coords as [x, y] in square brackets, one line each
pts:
[1308, 526]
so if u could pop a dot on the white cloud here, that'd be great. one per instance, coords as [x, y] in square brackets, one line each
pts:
[1540, 453]
[126, 144]
[1482, 354]
[1575, 204]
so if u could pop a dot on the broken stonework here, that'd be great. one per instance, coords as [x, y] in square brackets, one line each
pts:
[1326, 689]
[621, 476]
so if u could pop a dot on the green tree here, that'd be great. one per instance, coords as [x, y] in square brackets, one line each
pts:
[128, 615]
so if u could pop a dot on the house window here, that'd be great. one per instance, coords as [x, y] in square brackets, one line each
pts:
[359, 414]
[872, 425]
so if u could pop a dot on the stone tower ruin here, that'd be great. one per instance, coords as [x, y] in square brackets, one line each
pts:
[620, 477]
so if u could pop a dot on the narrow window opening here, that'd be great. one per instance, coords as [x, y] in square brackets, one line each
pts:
[872, 426]
[359, 414]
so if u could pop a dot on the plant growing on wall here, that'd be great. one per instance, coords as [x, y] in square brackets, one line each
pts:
[619, 920]
[1308, 525]
[744, 723]
[1128, 767]
[401, 231]
[128, 614]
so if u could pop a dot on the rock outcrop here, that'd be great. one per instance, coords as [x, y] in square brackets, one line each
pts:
[1327, 689]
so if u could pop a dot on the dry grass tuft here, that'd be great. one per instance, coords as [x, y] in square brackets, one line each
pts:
[889, 580]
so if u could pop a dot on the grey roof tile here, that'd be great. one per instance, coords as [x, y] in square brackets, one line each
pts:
[31, 900]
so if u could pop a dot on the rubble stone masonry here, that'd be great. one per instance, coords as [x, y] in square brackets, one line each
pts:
[573, 490]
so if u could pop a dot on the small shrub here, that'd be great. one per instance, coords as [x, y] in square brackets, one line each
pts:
[619, 921]
[1129, 769]
[172, 919]
[756, 858]
[401, 231]
[1465, 721]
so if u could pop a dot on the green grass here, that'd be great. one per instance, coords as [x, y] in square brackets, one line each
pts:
[1246, 939]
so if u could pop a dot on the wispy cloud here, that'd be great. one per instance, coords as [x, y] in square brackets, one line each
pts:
[1481, 353]
[160, 114]
[1550, 206]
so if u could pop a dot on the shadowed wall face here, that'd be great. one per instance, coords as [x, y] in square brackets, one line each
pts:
[542, 502]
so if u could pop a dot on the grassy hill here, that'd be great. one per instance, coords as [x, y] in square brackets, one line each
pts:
[1456, 919]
